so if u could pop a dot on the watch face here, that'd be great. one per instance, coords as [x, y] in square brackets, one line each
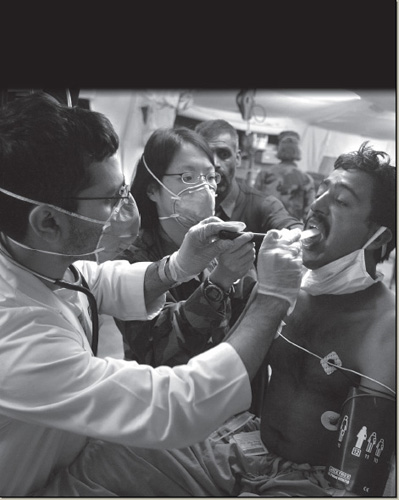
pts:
[213, 292]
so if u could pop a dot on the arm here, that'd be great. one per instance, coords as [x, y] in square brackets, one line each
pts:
[182, 330]
[249, 339]
[279, 277]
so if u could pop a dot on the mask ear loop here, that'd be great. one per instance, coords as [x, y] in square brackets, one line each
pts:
[59, 209]
[379, 231]
[174, 195]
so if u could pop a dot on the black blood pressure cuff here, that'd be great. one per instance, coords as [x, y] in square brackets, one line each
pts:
[361, 458]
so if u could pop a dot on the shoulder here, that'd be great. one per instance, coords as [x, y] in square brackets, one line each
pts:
[143, 248]
[255, 194]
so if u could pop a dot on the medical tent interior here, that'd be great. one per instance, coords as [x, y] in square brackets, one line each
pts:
[329, 122]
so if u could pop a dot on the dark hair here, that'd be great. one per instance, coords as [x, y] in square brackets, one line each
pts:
[45, 151]
[159, 152]
[209, 128]
[383, 201]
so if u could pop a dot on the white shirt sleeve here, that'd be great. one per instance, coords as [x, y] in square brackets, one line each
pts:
[62, 386]
[119, 289]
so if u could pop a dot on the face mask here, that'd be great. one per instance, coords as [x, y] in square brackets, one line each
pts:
[118, 231]
[345, 275]
[190, 205]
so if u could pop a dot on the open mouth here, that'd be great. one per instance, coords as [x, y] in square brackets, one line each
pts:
[311, 236]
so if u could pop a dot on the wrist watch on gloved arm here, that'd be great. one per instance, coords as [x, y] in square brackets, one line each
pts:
[215, 293]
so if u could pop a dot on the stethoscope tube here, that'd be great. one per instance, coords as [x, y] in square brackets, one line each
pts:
[84, 288]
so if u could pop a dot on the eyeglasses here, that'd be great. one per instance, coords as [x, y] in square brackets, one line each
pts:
[190, 178]
[122, 194]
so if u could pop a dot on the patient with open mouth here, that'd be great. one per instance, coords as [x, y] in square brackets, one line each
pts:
[341, 334]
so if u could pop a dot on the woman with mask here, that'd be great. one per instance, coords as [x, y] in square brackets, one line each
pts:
[175, 188]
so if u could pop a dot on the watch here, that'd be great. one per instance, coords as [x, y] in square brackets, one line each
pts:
[213, 292]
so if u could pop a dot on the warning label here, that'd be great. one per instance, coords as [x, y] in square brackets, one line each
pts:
[339, 475]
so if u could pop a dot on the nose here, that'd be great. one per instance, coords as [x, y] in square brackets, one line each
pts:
[216, 160]
[320, 204]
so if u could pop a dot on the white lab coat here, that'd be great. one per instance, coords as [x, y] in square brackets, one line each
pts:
[54, 394]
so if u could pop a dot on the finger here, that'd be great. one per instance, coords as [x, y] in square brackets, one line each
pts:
[235, 252]
[213, 228]
[242, 241]
[213, 218]
[292, 235]
[219, 246]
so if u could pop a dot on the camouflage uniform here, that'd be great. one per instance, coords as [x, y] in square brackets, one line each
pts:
[293, 187]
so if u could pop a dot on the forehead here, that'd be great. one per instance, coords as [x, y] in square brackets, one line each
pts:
[189, 155]
[222, 140]
[356, 182]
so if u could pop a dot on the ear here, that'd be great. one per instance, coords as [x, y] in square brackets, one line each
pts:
[238, 157]
[152, 191]
[47, 223]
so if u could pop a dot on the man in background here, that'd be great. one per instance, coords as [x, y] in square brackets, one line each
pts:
[292, 186]
[235, 199]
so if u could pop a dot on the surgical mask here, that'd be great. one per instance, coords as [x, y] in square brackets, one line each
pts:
[192, 204]
[345, 275]
[118, 231]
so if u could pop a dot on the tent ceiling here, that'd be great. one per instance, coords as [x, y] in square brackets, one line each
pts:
[368, 113]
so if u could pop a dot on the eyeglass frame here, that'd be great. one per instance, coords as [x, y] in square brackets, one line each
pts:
[205, 176]
[124, 195]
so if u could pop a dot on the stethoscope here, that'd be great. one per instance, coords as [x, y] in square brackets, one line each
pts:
[83, 288]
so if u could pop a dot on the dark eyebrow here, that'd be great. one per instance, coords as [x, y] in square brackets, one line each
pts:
[341, 185]
[345, 186]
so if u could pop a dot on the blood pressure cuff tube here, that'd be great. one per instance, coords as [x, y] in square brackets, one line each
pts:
[361, 457]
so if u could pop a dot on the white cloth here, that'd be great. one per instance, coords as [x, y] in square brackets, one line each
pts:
[54, 394]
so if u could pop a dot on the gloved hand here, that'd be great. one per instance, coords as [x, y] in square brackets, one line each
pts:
[280, 265]
[200, 245]
[234, 263]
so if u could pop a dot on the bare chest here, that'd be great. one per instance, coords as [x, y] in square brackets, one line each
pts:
[316, 343]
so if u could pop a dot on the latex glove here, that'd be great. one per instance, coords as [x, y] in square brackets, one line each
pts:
[235, 262]
[279, 265]
[200, 246]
